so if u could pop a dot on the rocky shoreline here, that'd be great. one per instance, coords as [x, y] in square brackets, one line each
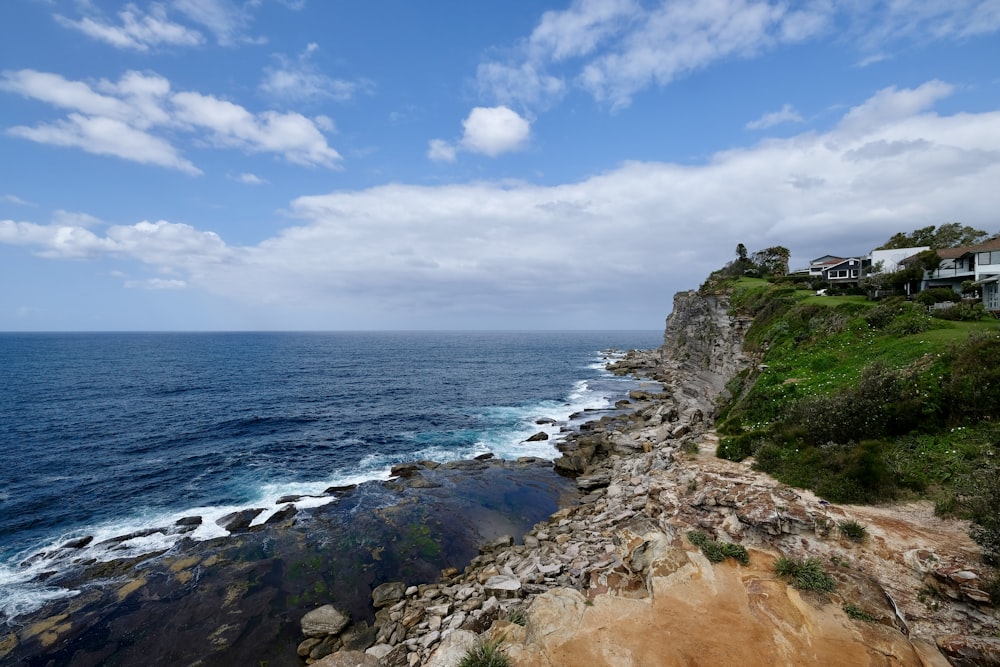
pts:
[621, 578]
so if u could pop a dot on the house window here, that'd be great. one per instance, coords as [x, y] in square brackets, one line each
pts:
[854, 273]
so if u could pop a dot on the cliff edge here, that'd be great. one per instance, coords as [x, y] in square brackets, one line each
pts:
[676, 557]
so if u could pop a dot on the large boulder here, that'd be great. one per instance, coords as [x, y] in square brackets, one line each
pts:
[388, 593]
[348, 659]
[451, 651]
[326, 620]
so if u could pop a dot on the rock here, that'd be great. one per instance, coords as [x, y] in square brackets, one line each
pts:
[541, 435]
[551, 614]
[238, 522]
[546, 421]
[484, 457]
[340, 490]
[379, 651]
[286, 512]
[349, 659]
[358, 637]
[452, 649]
[503, 587]
[501, 542]
[307, 645]
[325, 620]
[188, 521]
[388, 593]
[78, 543]
[966, 651]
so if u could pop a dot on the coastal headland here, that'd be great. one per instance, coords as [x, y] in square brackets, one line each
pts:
[649, 550]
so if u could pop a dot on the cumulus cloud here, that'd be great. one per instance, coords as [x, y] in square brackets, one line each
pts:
[787, 114]
[487, 130]
[477, 254]
[495, 130]
[136, 30]
[132, 117]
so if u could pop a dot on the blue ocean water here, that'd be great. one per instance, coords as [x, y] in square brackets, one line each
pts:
[107, 434]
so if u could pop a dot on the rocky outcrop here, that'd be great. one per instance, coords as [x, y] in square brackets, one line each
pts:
[616, 579]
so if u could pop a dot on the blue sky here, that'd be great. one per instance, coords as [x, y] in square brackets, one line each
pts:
[308, 164]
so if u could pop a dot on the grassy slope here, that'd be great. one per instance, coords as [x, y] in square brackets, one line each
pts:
[851, 404]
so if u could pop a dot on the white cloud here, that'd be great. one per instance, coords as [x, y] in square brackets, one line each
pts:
[890, 105]
[14, 199]
[495, 130]
[480, 254]
[106, 136]
[300, 80]
[250, 179]
[226, 19]
[129, 118]
[136, 30]
[787, 114]
[440, 150]
[613, 49]
[156, 284]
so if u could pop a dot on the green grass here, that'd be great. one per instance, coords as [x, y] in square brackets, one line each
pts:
[853, 530]
[858, 614]
[485, 654]
[806, 575]
[816, 352]
[715, 551]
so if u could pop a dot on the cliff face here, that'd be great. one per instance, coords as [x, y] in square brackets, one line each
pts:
[702, 348]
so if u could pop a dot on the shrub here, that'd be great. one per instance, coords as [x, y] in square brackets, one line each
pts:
[973, 390]
[858, 614]
[806, 575]
[485, 654]
[938, 295]
[715, 551]
[982, 501]
[853, 530]
[962, 312]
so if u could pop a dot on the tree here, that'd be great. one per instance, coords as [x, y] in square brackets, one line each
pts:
[741, 252]
[772, 261]
[948, 235]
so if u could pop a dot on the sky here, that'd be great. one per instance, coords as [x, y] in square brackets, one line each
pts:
[189, 165]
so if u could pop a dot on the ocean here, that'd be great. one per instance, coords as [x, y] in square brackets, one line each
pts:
[106, 435]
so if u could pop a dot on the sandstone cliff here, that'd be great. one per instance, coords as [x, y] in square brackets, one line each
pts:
[619, 580]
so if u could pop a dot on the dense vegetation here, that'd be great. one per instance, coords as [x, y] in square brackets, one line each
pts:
[866, 401]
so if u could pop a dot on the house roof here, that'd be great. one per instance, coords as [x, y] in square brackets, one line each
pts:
[953, 253]
[826, 259]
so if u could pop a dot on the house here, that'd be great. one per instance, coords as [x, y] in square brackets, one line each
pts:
[818, 265]
[978, 265]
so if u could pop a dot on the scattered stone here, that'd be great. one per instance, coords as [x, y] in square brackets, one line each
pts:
[541, 435]
[388, 593]
[325, 620]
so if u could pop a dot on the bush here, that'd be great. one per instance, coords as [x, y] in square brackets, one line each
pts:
[962, 312]
[973, 390]
[938, 295]
[853, 530]
[485, 654]
[982, 501]
[806, 575]
[716, 552]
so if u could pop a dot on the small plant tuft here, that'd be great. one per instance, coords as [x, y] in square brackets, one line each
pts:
[858, 614]
[517, 616]
[806, 575]
[485, 654]
[853, 530]
[715, 551]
